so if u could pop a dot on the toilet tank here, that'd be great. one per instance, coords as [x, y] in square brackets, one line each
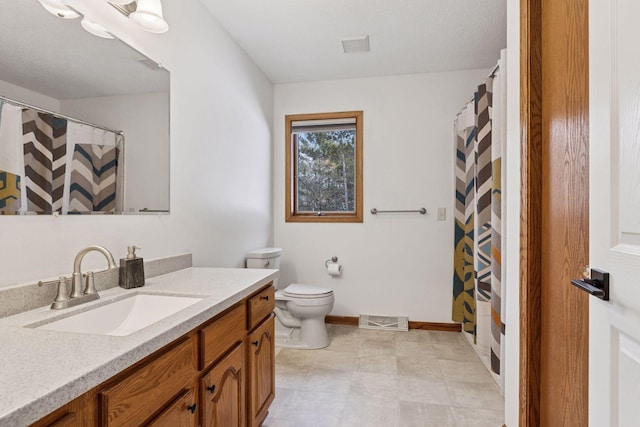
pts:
[265, 258]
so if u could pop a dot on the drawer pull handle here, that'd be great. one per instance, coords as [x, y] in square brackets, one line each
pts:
[255, 343]
[192, 408]
[212, 388]
[265, 298]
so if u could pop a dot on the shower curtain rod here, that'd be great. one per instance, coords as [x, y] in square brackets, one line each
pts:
[491, 74]
[42, 110]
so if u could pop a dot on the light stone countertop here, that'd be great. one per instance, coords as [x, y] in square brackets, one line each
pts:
[42, 370]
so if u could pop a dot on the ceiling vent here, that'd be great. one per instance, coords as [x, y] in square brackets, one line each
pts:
[356, 44]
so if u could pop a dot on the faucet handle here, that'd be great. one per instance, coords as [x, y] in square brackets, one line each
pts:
[53, 282]
[91, 287]
[63, 293]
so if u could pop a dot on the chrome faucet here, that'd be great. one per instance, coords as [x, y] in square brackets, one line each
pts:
[79, 295]
[76, 277]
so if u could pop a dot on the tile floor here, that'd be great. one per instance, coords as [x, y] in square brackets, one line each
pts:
[385, 379]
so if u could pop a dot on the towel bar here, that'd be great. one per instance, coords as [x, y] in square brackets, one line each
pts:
[421, 211]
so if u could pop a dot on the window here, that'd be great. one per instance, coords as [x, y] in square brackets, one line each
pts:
[324, 167]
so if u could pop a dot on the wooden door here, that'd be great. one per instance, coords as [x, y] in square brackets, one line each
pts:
[182, 412]
[565, 209]
[261, 371]
[614, 352]
[223, 392]
[554, 212]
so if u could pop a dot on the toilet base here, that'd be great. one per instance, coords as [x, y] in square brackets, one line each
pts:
[315, 336]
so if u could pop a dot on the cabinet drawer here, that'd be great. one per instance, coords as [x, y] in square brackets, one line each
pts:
[140, 394]
[59, 418]
[219, 336]
[260, 306]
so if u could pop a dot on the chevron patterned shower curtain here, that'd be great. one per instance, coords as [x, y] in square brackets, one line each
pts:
[478, 234]
[464, 296]
[45, 149]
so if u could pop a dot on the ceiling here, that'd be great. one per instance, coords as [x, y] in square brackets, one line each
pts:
[300, 40]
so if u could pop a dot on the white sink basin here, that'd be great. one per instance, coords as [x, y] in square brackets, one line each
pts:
[122, 317]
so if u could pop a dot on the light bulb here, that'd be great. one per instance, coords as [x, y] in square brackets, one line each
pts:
[95, 29]
[58, 8]
[148, 15]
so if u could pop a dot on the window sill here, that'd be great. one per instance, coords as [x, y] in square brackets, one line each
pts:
[327, 218]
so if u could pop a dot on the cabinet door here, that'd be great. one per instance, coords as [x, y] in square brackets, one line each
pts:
[222, 391]
[179, 413]
[261, 371]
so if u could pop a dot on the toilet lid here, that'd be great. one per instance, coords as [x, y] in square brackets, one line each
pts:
[306, 291]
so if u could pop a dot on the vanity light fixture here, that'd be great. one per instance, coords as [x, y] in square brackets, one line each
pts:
[95, 29]
[148, 15]
[145, 13]
[58, 8]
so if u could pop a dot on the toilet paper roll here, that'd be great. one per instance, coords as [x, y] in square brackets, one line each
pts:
[334, 269]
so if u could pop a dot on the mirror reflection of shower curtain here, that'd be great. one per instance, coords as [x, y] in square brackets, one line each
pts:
[12, 196]
[43, 156]
[44, 139]
[95, 179]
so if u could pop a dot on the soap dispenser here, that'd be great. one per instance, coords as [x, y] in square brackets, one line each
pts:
[131, 270]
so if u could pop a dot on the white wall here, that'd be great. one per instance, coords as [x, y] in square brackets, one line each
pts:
[221, 117]
[143, 119]
[393, 264]
[27, 96]
[511, 197]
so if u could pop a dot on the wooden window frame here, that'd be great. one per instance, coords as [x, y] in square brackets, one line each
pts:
[291, 214]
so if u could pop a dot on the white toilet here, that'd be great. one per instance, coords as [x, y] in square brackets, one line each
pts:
[300, 309]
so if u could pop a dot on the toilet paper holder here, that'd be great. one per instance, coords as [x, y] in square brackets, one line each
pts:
[334, 259]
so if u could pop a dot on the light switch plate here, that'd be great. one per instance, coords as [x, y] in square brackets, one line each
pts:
[442, 214]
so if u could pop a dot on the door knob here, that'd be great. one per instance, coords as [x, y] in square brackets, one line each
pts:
[597, 284]
[192, 408]
[212, 388]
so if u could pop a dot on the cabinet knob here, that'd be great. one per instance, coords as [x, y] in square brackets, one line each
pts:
[212, 388]
[265, 298]
[192, 408]
[255, 343]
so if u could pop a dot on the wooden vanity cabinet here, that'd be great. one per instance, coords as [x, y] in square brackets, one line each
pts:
[181, 412]
[222, 392]
[261, 371]
[62, 417]
[260, 355]
[150, 389]
[221, 374]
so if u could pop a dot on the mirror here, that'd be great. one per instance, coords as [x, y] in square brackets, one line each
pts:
[110, 119]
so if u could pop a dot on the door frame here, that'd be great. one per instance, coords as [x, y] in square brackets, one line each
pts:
[530, 210]
[536, 162]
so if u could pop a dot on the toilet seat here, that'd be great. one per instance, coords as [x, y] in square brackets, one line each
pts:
[296, 290]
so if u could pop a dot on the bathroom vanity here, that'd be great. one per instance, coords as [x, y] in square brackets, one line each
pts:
[210, 364]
